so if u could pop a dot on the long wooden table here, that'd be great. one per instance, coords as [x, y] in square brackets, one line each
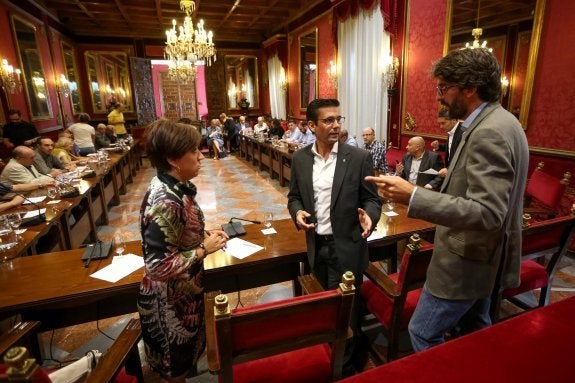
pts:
[57, 289]
[91, 205]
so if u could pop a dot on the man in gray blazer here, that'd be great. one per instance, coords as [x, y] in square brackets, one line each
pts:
[330, 199]
[478, 210]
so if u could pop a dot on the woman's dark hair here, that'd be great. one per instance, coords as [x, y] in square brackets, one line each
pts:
[471, 68]
[84, 117]
[167, 139]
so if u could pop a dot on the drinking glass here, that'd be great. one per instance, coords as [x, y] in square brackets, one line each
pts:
[118, 242]
[268, 219]
[14, 220]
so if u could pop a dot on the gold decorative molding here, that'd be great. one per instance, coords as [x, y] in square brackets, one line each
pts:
[410, 122]
[568, 154]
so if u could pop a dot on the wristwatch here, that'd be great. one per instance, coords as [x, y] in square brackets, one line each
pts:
[203, 247]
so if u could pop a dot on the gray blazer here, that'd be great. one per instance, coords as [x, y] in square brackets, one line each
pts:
[479, 208]
[349, 192]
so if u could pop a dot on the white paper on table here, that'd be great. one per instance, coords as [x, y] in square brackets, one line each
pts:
[30, 200]
[430, 171]
[269, 231]
[20, 231]
[375, 235]
[240, 249]
[390, 213]
[120, 267]
[33, 213]
[53, 202]
[81, 169]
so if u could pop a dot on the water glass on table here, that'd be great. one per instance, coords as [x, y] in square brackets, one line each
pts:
[118, 243]
[268, 219]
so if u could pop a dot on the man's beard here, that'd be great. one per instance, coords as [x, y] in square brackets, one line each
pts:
[457, 109]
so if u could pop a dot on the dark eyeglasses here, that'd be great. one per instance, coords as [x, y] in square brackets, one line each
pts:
[332, 120]
[442, 88]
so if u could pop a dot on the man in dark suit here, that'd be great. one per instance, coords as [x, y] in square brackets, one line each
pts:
[330, 199]
[478, 210]
[417, 161]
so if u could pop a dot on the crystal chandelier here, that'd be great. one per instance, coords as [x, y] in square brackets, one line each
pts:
[10, 78]
[186, 45]
[476, 33]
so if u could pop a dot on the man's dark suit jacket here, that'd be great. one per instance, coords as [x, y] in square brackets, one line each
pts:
[430, 160]
[349, 192]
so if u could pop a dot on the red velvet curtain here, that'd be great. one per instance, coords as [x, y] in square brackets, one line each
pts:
[351, 8]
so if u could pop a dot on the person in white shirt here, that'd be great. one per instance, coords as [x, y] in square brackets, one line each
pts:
[84, 134]
[293, 134]
[416, 164]
[261, 127]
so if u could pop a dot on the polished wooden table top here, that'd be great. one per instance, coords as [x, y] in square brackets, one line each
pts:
[287, 242]
[394, 228]
[57, 279]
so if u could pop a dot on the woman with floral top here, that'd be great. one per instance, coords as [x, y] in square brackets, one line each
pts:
[175, 244]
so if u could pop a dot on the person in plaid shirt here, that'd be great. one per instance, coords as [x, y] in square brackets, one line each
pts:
[377, 151]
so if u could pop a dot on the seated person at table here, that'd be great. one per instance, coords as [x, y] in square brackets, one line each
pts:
[17, 200]
[20, 169]
[111, 134]
[345, 137]
[418, 160]
[276, 129]
[261, 127]
[244, 127]
[215, 138]
[63, 151]
[293, 134]
[44, 161]
[101, 140]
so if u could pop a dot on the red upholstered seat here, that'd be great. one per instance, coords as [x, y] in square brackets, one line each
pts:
[533, 277]
[545, 241]
[392, 298]
[301, 339]
[313, 365]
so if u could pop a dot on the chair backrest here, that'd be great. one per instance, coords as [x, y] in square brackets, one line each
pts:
[545, 188]
[269, 329]
[550, 237]
[393, 157]
[413, 269]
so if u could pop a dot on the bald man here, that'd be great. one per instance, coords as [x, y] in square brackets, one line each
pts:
[20, 169]
[417, 161]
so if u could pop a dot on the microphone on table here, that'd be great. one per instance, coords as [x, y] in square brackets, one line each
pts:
[236, 229]
[41, 217]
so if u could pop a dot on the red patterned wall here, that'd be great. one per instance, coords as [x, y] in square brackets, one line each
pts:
[552, 118]
[425, 45]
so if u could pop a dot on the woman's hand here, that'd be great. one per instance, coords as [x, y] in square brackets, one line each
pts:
[215, 240]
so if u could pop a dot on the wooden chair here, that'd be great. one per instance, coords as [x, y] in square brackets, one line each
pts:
[283, 341]
[123, 352]
[546, 241]
[392, 298]
[544, 193]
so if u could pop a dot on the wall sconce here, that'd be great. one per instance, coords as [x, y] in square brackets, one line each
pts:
[390, 70]
[332, 73]
[10, 78]
[63, 85]
[504, 85]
